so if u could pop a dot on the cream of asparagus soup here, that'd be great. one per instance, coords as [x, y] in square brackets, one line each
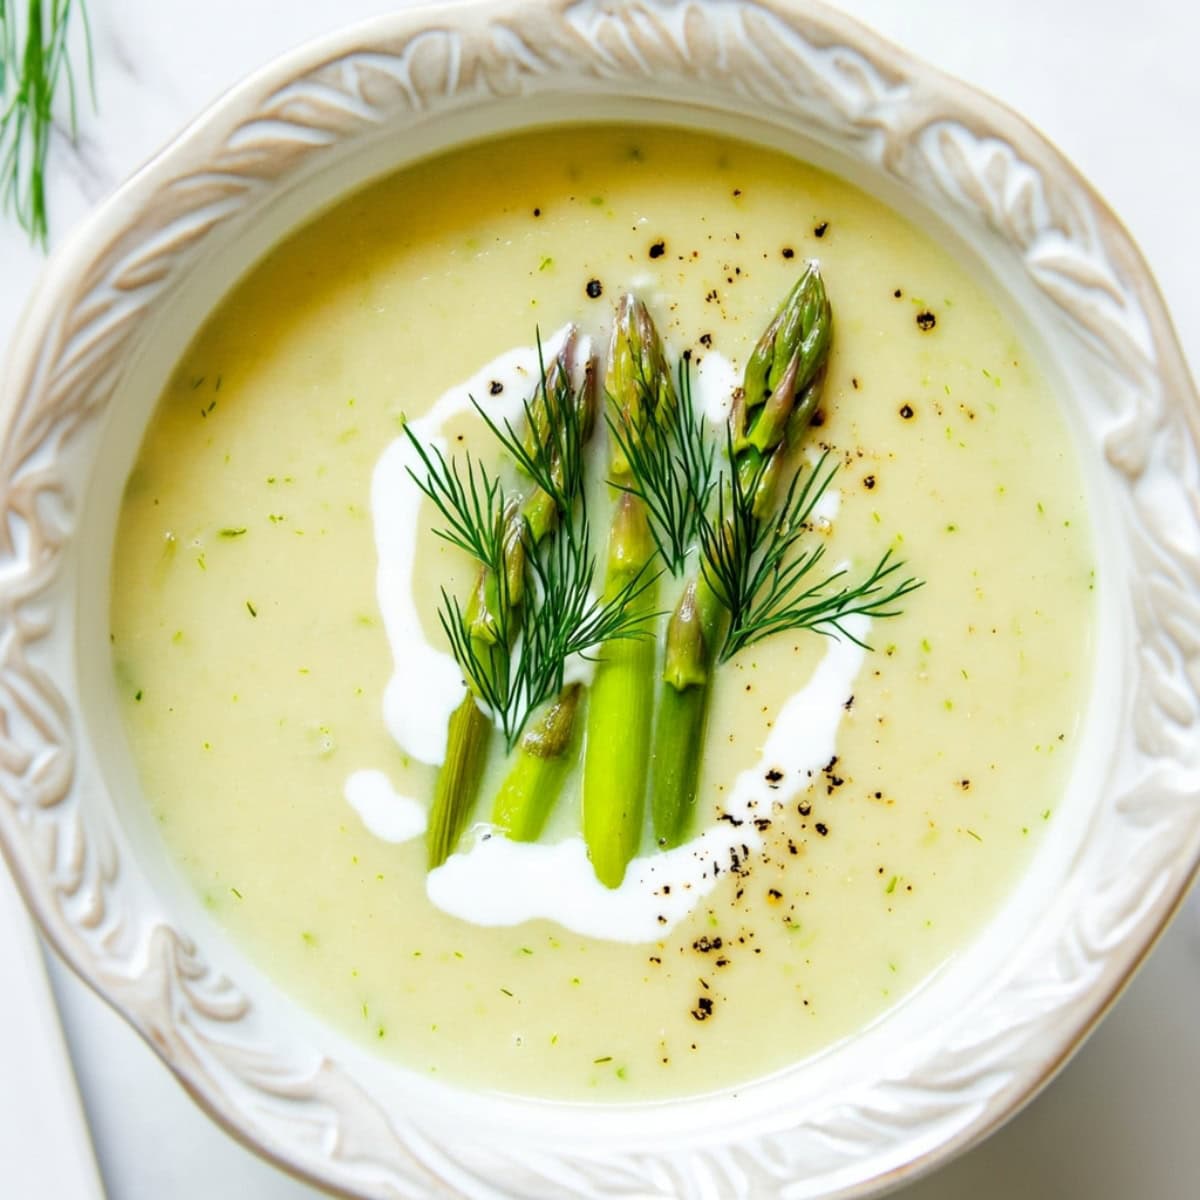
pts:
[604, 614]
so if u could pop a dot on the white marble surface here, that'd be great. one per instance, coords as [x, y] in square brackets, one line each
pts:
[1116, 86]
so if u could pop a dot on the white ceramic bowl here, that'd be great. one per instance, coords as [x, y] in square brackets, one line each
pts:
[122, 298]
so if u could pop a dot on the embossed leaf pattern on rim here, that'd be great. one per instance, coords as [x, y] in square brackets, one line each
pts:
[936, 136]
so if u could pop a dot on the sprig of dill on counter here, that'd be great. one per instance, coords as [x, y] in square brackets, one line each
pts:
[31, 70]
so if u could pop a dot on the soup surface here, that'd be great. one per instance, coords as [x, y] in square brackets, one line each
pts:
[252, 658]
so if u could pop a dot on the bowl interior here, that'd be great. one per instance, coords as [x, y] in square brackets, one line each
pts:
[943, 1007]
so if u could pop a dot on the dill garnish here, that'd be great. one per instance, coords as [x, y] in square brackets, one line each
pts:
[670, 461]
[759, 568]
[534, 608]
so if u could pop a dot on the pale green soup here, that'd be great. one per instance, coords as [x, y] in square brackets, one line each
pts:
[251, 658]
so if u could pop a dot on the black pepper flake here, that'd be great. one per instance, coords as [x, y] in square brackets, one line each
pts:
[706, 339]
[926, 321]
[869, 482]
[495, 387]
[774, 775]
[849, 704]
[822, 828]
[594, 289]
[788, 252]
[704, 943]
[854, 383]
[703, 1009]
[907, 412]
[734, 821]
[775, 893]
[537, 212]
[658, 249]
[804, 808]
[820, 229]
[818, 418]
[737, 191]
[897, 293]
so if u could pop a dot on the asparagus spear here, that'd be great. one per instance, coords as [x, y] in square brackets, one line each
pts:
[780, 393]
[616, 749]
[469, 731]
[542, 762]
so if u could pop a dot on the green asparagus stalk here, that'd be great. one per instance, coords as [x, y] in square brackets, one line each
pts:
[780, 393]
[617, 746]
[469, 732]
[543, 759]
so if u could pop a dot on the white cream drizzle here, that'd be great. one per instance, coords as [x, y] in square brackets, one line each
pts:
[426, 684]
[501, 882]
[386, 813]
[713, 383]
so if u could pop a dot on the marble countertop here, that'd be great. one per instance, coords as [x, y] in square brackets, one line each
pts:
[1117, 89]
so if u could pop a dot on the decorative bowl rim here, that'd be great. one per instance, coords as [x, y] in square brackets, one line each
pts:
[915, 125]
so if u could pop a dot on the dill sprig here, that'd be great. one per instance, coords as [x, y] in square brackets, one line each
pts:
[760, 569]
[472, 507]
[534, 608]
[567, 619]
[670, 462]
[558, 424]
[29, 78]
